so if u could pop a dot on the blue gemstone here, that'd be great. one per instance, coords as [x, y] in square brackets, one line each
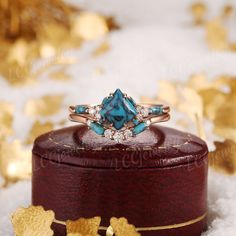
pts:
[80, 109]
[136, 121]
[156, 110]
[118, 110]
[97, 128]
[132, 101]
[139, 128]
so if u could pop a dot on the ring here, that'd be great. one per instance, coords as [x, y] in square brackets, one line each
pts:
[119, 117]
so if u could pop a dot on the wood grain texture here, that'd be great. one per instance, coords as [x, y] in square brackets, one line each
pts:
[169, 191]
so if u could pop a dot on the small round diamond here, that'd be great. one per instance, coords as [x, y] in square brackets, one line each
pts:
[92, 111]
[139, 108]
[89, 122]
[108, 133]
[148, 122]
[139, 117]
[118, 137]
[144, 111]
[98, 116]
[128, 133]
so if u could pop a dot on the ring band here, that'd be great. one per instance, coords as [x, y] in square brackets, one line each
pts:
[119, 117]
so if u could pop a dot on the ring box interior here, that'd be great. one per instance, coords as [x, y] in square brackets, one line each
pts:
[158, 178]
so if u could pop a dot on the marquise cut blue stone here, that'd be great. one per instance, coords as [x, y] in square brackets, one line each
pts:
[139, 128]
[118, 110]
[97, 128]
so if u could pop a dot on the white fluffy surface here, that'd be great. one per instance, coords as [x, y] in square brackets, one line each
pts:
[156, 42]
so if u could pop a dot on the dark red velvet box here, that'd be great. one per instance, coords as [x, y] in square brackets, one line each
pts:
[156, 179]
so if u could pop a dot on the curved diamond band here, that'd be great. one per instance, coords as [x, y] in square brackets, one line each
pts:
[118, 117]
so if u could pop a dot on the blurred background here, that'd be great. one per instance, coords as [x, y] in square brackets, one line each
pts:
[55, 53]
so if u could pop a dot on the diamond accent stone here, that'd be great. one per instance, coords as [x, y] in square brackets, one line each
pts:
[92, 111]
[97, 116]
[144, 111]
[128, 133]
[118, 137]
[108, 133]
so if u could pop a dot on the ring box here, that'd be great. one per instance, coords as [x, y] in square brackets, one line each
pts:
[157, 180]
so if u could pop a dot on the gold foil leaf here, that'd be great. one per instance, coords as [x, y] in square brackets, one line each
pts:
[6, 119]
[15, 162]
[83, 227]
[198, 82]
[191, 103]
[121, 227]
[89, 26]
[223, 159]
[212, 100]
[44, 106]
[103, 48]
[198, 10]
[225, 119]
[216, 35]
[227, 11]
[37, 129]
[18, 52]
[60, 75]
[32, 221]
[168, 92]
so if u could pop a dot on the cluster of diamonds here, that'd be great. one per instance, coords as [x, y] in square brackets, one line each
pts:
[126, 132]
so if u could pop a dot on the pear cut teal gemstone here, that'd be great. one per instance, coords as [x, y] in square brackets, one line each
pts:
[97, 128]
[118, 110]
[140, 128]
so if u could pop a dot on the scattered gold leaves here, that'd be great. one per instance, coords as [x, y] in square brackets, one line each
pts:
[83, 227]
[37, 129]
[6, 119]
[33, 29]
[103, 48]
[60, 75]
[89, 26]
[216, 35]
[44, 106]
[33, 221]
[198, 10]
[223, 159]
[15, 162]
[121, 227]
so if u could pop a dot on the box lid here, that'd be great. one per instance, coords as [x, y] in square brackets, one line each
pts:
[157, 147]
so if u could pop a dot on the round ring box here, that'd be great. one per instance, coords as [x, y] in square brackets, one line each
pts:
[157, 179]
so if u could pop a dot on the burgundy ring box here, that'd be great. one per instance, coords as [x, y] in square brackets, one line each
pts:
[158, 178]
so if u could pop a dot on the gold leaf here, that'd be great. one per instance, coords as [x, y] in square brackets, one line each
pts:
[198, 82]
[6, 119]
[191, 103]
[225, 118]
[168, 92]
[198, 10]
[89, 26]
[44, 106]
[223, 159]
[83, 227]
[121, 227]
[18, 52]
[32, 221]
[103, 48]
[212, 100]
[217, 35]
[15, 163]
[60, 75]
[37, 129]
[227, 11]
